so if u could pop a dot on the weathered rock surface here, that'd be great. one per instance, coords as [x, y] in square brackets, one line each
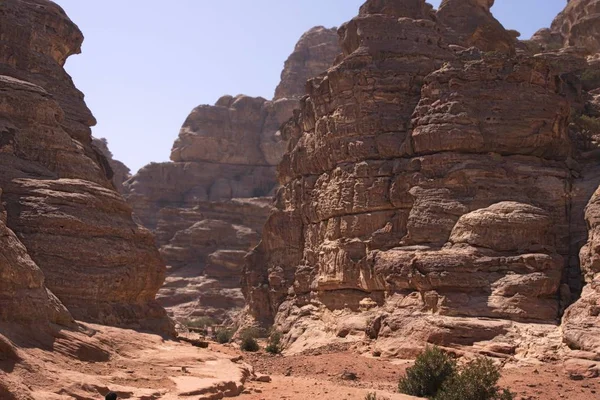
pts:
[582, 320]
[437, 192]
[471, 23]
[23, 296]
[120, 172]
[313, 55]
[577, 25]
[81, 365]
[207, 207]
[70, 227]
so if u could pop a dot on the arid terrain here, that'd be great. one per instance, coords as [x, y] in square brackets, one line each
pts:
[86, 365]
[420, 178]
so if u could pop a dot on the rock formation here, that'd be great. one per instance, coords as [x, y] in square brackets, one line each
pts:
[578, 25]
[471, 23]
[66, 230]
[314, 53]
[120, 172]
[207, 207]
[430, 192]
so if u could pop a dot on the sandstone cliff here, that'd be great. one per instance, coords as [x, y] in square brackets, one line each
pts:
[66, 230]
[431, 192]
[207, 207]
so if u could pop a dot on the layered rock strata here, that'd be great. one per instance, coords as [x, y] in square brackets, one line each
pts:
[576, 29]
[70, 230]
[430, 192]
[207, 207]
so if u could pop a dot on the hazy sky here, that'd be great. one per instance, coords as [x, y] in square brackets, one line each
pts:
[147, 63]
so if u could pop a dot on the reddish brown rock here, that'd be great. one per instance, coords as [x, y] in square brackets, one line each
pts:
[24, 297]
[426, 189]
[58, 200]
[208, 206]
[313, 55]
[581, 323]
[472, 24]
[577, 25]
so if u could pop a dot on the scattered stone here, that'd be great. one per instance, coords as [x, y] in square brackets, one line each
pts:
[349, 376]
[262, 378]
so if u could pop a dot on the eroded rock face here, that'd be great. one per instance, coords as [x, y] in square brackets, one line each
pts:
[120, 172]
[313, 55]
[471, 23]
[24, 297]
[426, 187]
[55, 189]
[582, 320]
[577, 25]
[208, 206]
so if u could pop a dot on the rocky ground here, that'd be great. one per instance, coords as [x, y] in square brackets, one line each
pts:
[85, 365]
[322, 374]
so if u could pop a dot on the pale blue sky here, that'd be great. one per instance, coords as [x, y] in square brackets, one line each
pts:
[147, 63]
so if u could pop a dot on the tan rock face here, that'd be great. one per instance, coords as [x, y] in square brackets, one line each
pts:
[209, 205]
[60, 205]
[426, 187]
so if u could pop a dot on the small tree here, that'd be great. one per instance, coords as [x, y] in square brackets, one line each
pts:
[224, 336]
[249, 342]
[424, 379]
[273, 346]
[478, 380]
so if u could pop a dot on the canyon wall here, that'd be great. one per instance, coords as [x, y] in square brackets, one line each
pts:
[207, 207]
[70, 240]
[433, 190]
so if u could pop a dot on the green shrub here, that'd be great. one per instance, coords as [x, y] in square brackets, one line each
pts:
[424, 379]
[273, 346]
[250, 344]
[224, 336]
[590, 78]
[253, 332]
[587, 123]
[477, 380]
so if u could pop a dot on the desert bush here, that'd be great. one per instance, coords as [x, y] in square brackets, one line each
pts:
[587, 123]
[224, 336]
[424, 379]
[248, 337]
[478, 380]
[254, 332]
[274, 344]
[249, 344]
[590, 78]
